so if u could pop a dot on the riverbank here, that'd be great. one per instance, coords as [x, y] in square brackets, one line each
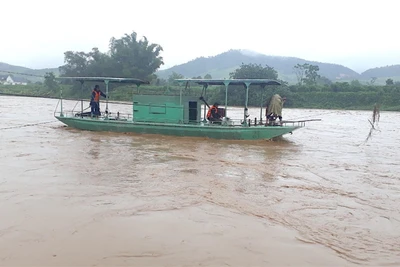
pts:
[123, 100]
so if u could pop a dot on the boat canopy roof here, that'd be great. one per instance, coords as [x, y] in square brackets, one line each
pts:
[104, 79]
[226, 82]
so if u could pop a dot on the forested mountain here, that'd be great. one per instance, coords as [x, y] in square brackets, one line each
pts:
[221, 65]
[387, 71]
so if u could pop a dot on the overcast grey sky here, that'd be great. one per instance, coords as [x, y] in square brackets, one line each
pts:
[358, 34]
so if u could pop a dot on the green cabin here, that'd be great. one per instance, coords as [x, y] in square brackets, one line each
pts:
[166, 109]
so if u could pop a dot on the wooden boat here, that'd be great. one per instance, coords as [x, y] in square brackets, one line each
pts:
[176, 115]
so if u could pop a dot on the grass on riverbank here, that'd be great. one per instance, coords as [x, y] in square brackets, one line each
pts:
[363, 100]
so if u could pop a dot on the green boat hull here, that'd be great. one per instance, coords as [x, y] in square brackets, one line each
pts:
[190, 130]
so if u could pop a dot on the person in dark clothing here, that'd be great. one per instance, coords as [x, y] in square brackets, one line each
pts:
[213, 115]
[95, 100]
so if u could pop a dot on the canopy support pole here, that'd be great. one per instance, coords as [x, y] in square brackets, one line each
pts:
[180, 94]
[226, 98]
[61, 114]
[261, 104]
[82, 98]
[106, 82]
[205, 106]
[247, 85]
[133, 102]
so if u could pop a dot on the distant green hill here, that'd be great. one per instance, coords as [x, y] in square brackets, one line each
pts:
[221, 65]
[387, 71]
[30, 74]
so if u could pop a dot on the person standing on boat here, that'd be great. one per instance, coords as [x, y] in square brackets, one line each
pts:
[95, 100]
[213, 115]
[274, 109]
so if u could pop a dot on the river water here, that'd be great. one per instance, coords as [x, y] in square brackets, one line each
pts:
[320, 197]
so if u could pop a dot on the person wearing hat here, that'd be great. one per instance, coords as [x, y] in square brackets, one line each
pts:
[95, 100]
[274, 109]
[212, 114]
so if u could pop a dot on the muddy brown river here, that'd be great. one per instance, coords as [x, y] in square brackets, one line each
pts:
[320, 197]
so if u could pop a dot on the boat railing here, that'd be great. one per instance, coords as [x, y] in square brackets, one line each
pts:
[294, 123]
[77, 112]
[103, 115]
[255, 122]
[227, 122]
[116, 116]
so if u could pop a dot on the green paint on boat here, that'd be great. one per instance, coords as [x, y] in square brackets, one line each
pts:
[210, 131]
[176, 115]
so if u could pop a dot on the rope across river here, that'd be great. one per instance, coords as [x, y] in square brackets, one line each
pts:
[27, 125]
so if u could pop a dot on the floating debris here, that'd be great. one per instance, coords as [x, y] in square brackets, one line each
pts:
[374, 123]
